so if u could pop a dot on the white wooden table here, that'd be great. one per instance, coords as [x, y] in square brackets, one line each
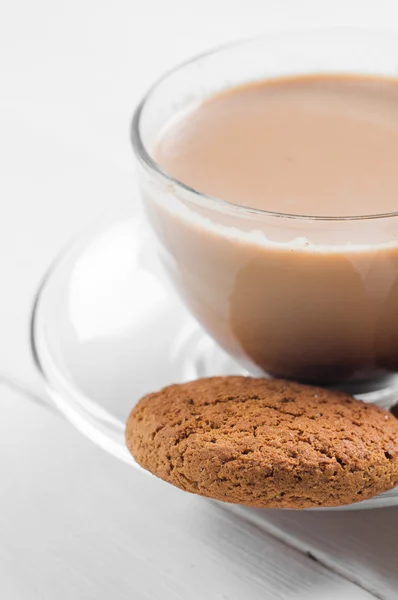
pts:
[75, 523]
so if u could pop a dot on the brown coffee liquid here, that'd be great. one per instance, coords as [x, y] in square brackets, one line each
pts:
[306, 300]
[316, 145]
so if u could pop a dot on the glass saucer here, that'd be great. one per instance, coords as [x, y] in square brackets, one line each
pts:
[107, 328]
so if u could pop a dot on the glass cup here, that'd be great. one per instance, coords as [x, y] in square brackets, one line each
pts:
[301, 297]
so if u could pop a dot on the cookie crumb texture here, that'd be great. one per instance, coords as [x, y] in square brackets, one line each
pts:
[265, 443]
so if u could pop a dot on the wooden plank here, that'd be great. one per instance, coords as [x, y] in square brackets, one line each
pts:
[359, 545]
[75, 523]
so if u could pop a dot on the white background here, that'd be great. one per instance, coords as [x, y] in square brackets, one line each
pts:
[74, 523]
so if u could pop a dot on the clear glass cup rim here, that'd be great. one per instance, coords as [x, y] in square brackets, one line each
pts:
[212, 202]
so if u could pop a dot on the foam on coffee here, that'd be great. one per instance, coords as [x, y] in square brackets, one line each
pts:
[314, 145]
